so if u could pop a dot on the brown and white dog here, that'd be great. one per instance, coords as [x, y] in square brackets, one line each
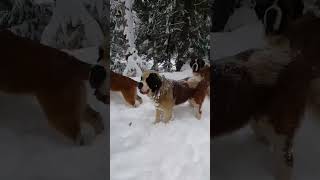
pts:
[273, 86]
[127, 87]
[167, 93]
[200, 71]
[55, 78]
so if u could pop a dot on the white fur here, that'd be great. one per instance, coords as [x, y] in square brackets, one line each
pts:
[274, 6]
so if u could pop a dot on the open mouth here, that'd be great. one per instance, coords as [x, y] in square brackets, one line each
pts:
[144, 92]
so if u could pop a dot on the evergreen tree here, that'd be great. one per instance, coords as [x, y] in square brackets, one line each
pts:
[119, 42]
[72, 27]
[25, 17]
[99, 10]
[171, 29]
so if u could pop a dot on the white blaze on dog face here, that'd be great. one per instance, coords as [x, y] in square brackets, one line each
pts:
[144, 89]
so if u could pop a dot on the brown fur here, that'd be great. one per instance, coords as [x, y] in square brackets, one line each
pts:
[53, 77]
[127, 87]
[277, 105]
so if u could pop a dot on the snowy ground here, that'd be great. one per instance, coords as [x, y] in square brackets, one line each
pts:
[30, 150]
[239, 156]
[140, 150]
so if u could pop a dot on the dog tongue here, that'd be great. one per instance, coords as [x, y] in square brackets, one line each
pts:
[144, 92]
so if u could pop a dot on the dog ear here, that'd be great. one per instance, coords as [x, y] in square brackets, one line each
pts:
[201, 63]
[154, 82]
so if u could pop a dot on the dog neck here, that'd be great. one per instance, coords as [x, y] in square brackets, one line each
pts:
[163, 90]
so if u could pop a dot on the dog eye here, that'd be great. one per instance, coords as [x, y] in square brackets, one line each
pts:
[141, 78]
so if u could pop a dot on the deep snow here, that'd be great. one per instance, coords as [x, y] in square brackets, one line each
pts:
[241, 156]
[29, 149]
[141, 150]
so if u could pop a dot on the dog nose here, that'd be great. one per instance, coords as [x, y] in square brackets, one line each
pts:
[140, 84]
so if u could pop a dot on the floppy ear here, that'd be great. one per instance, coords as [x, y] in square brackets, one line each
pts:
[202, 63]
[154, 82]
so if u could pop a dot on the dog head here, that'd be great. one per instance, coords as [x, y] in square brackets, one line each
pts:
[197, 64]
[150, 83]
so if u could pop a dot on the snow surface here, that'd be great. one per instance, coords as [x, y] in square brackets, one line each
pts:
[241, 156]
[31, 150]
[242, 16]
[141, 150]
[246, 37]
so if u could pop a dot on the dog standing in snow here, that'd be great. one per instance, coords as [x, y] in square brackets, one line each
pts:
[167, 93]
[273, 86]
[56, 79]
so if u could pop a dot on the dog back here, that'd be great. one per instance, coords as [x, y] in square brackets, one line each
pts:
[181, 91]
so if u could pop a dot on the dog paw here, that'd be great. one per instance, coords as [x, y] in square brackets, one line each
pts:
[198, 116]
[80, 140]
[85, 138]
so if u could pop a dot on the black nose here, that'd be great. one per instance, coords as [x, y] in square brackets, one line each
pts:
[140, 85]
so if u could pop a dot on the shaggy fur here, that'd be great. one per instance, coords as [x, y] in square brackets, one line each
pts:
[55, 79]
[167, 93]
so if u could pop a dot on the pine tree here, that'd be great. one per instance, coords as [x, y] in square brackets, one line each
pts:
[119, 42]
[99, 10]
[72, 27]
[172, 28]
[25, 17]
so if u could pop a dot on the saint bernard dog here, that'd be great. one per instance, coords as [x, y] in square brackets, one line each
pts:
[56, 79]
[119, 83]
[167, 93]
[270, 89]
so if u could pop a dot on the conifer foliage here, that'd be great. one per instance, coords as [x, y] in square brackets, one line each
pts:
[172, 31]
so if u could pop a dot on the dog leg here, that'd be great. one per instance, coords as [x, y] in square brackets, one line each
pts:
[283, 154]
[94, 119]
[167, 115]
[281, 147]
[130, 97]
[65, 108]
[64, 119]
[158, 114]
[262, 129]
[196, 107]
[138, 100]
